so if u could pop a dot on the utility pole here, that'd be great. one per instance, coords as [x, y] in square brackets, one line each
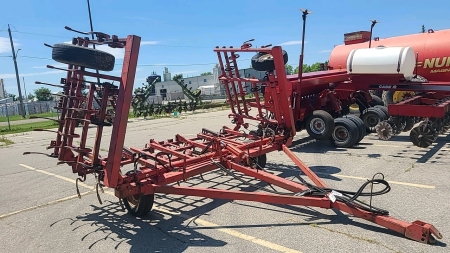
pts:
[21, 109]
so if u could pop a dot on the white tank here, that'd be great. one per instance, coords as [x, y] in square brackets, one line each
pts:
[382, 60]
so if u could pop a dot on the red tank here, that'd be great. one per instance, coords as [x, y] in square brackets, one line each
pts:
[433, 50]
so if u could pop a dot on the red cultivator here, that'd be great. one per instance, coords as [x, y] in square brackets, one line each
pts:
[159, 165]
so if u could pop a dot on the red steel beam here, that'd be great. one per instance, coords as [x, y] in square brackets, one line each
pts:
[112, 167]
[238, 195]
[313, 176]
[267, 177]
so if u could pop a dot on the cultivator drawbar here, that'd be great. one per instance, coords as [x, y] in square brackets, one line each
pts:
[162, 166]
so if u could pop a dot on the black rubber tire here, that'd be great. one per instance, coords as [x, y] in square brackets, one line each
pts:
[377, 93]
[265, 62]
[360, 124]
[384, 109]
[328, 121]
[410, 122]
[261, 160]
[369, 116]
[351, 129]
[387, 97]
[376, 100]
[143, 208]
[83, 56]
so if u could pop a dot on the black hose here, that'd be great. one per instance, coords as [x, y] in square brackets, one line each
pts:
[348, 197]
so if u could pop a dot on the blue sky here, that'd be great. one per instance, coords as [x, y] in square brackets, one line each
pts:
[181, 35]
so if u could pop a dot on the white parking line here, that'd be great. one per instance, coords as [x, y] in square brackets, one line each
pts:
[390, 182]
[231, 232]
[45, 204]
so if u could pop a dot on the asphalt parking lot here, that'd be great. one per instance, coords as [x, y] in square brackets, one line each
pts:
[40, 211]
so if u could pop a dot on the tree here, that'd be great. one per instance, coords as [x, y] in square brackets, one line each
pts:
[43, 94]
[31, 97]
[13, 96]
[311, 68]
[306, 69]
[206, 73]
[289, 69]
[177, 77]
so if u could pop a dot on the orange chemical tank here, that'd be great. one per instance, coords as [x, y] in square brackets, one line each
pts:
[432, 49]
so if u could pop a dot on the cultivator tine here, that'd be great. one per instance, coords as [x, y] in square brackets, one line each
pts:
[73, 135]
[53, 67]
[73, 30]
[54, 85]
[38, 117]
[37, 153]
[76, 185]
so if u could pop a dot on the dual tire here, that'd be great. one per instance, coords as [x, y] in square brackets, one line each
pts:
[348, 131]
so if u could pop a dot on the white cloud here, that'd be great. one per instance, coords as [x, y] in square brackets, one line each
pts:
[325, 51]
[292, 42]
[186, 72]
[51, 72]
[149, 42]
[5, 45]
[117, 52]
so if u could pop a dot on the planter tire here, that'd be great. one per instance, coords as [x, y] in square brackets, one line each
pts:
[320, 125]
[360, 124]
[345, 133]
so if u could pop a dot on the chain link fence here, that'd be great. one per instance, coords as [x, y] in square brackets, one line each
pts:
[31, 108]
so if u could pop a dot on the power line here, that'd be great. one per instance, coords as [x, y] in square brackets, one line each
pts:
[154, 45]
[143, 65]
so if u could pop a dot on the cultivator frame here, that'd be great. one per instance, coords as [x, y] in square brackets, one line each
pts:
[159, 165]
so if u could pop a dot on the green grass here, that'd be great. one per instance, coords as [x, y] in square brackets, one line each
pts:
[19, 117]
[20, 128]
[4, 141]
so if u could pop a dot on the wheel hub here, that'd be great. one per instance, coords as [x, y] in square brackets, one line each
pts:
[372, 120]
[317, 126]
[340, 134]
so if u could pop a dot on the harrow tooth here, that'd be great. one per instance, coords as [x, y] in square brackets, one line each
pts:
[38, 153]
[76, 149]
[53, 67]
[54, 85]
[80, 119]
[83, 110]
[70, 135]
[37, 117]
[100, 123]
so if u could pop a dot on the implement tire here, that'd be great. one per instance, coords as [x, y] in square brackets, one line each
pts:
[83, 56]
[265, 62]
